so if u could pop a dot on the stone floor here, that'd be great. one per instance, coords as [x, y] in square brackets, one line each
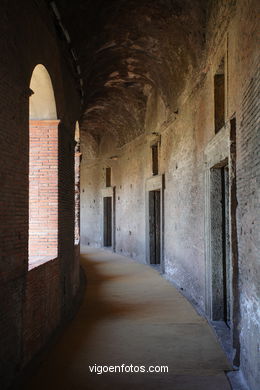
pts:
[131, 315]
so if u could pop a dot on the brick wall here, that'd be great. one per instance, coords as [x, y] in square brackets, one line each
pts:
[248, 178]
[77, 194]
[43, 190]
[35, 302]
[42, 309]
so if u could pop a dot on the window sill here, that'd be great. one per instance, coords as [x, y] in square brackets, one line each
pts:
[36, 261]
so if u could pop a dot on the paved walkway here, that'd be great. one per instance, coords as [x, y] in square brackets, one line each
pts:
[131, 315]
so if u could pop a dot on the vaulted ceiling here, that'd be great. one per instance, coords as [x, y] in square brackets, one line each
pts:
[127, 49]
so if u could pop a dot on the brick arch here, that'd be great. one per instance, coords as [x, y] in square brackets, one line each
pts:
[43, 169]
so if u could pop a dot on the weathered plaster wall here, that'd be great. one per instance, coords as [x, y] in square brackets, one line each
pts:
[232, 33]
[33, 303]
[90, 199]
[129, 178]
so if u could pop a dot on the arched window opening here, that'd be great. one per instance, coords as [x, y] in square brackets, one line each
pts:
[43, 170]
[77, 185]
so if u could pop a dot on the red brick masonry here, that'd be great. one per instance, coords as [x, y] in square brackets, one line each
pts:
[43, 190]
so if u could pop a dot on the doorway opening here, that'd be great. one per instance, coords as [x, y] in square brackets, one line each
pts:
[220, 244]
[107, 221]
[155, 227]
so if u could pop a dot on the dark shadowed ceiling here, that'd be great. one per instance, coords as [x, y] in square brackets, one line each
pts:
[128, 48]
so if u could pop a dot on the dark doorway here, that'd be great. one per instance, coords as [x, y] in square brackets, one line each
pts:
[155, 226]
[220, 245]
[108, 221]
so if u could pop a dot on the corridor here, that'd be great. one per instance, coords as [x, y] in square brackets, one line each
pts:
[131, 315]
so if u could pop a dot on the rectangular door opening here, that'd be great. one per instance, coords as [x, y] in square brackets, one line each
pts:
[220, 245]
[108, 221]
[155, 226]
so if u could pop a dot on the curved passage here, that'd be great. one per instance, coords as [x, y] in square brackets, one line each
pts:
[131, 315]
